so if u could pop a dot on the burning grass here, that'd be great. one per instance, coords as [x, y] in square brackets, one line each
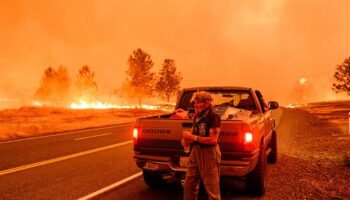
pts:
[35, 121]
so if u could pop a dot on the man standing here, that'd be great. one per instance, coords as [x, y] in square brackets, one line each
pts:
[205, 157]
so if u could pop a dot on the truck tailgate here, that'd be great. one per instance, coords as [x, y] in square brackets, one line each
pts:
[161, 134]
[231, 136]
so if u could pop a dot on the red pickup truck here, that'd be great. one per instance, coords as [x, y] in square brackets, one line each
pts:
[248, 139]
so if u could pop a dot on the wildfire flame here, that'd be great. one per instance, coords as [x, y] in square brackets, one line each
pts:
[295, 105]
[302, 81]
[99, 105]
[82, 104]
[37, 103]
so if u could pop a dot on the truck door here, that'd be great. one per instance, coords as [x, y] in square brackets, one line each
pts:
[268, 120]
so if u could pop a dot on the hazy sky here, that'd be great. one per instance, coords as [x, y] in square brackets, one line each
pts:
[268, 44]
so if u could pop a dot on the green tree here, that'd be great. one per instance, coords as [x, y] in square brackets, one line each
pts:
[139, 75]
[168, 80]
[342, 76]
[54, 87]
[85, 85]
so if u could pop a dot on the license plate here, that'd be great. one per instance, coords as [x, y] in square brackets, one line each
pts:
[151, 166]
[183, 161]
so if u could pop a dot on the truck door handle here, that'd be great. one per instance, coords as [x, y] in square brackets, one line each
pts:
[187, 124]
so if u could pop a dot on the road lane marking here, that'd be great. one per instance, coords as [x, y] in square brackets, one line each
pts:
[45, 162]
[114, 185]
[65, 133]
[93, 136]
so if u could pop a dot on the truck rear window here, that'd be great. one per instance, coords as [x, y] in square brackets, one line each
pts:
[236, 99]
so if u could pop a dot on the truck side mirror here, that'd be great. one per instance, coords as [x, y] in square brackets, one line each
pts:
[273, 105]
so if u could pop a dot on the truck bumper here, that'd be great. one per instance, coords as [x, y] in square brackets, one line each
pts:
[157, 163]
[165, 164]
[235, 168]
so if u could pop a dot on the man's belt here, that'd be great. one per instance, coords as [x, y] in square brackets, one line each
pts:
[202, 146]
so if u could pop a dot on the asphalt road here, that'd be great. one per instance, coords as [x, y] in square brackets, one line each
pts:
[66, 166]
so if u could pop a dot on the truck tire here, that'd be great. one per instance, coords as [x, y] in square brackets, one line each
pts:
[255, 180]
[153, 179]
[272, 157]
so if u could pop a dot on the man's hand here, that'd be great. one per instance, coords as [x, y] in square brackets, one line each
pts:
[187, 138]
[185, 143]
[186, 135]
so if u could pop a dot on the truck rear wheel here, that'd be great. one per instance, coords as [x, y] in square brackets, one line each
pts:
[153, 179]
[255, 180]
[272, 157]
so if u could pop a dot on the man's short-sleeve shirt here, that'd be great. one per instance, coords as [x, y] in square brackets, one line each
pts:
[204, 121]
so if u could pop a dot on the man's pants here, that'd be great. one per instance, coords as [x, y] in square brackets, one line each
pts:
[203, 163]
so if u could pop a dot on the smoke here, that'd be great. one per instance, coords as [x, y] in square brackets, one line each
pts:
[267, 45]
[303, 91]
[55, 87]
[12, 96]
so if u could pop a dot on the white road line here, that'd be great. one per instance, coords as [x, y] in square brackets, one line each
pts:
[45, 162]
[66, 133]
[93, 136]
[98, 192]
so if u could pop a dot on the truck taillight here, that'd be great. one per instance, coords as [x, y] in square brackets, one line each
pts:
[248, 141]
[248, 137]
[135, 134]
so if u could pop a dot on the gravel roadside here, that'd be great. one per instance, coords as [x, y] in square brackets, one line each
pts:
[311, 159]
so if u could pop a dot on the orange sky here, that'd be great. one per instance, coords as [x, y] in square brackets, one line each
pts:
[265, 44]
